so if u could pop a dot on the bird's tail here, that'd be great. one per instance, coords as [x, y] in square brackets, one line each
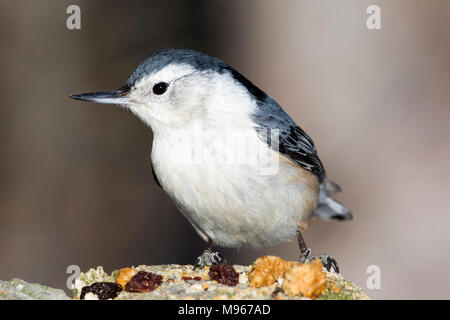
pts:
[329, 208]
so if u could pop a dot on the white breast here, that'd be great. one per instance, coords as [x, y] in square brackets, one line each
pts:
[255, 200]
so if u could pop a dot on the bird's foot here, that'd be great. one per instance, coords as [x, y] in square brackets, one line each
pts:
[208, 258]
[328, 261]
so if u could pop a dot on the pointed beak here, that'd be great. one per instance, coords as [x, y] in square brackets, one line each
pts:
[113, 97]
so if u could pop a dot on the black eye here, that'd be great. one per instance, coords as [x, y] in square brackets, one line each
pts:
[160, 88]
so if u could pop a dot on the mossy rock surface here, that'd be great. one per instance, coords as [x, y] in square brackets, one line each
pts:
[17, 289]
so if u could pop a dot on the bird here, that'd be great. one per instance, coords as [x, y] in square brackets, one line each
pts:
[235, 164]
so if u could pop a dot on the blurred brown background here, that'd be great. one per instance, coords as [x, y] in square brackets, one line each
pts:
[75, 181]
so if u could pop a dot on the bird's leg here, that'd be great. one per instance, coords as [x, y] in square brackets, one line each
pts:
[208, 257]
[305, 256]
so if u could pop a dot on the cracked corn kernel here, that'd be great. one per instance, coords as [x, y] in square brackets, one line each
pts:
[307, 279]
[266, 270]
[125, 274]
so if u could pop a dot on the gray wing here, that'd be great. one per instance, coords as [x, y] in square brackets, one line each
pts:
[293, 141]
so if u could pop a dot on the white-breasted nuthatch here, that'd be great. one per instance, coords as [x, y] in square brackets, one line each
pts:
[203, 113]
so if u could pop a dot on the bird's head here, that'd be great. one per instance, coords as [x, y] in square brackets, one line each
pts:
[172, 88]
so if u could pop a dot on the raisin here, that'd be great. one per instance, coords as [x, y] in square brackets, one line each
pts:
[104, 290]
[143, 282]
[224, 273]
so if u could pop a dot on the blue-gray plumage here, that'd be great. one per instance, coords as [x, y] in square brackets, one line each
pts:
[173, 91]
[161, 59]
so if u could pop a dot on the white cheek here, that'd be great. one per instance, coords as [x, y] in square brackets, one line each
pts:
[155, 115]
[189, 94]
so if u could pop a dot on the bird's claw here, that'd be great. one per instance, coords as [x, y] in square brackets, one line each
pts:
[306, 257]
[208, 258]
[328, 261]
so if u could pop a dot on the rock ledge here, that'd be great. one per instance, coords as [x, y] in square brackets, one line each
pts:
[178, 283]
[181, 282]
